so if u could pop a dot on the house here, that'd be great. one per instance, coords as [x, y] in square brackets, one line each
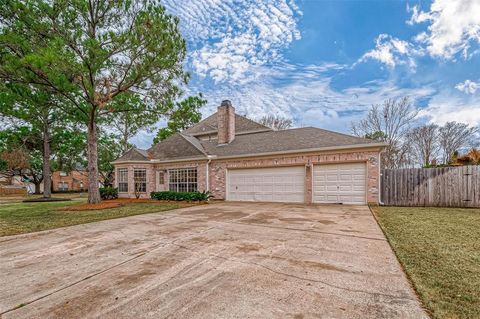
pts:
[237, 159]
[76, 180]
[19, 181]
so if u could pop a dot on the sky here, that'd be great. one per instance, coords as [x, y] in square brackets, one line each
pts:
[324, 63]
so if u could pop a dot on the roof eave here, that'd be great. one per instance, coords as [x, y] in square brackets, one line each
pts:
[154, 161]
[131, 162]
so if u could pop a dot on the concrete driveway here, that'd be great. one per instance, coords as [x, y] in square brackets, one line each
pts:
[224, 260]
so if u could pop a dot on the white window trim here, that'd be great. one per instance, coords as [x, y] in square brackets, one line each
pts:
[145, 182]
[121, 181]
[188, 183]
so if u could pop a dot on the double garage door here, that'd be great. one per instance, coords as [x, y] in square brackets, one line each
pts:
[279, 184]
[332, 183]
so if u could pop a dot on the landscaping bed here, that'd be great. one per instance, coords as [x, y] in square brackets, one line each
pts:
[439, 249]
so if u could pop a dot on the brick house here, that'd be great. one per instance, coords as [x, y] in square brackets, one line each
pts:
[69, 181]
[237, 159]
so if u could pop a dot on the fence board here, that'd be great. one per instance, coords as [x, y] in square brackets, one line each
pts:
[443, 186]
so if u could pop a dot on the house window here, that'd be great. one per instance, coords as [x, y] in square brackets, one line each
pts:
[140, 178]
[62, 173]
[161, 178]
[123, 180]
[63, 186]
[182, 180]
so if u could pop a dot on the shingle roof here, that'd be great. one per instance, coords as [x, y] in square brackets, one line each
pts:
[261, 140]
[242, 124]
[286, 140]
[134, 154]
[175, 147]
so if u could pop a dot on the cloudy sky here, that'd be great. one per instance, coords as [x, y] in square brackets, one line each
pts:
[323, 63]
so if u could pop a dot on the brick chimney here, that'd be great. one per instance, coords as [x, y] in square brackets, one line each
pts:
[226, 122]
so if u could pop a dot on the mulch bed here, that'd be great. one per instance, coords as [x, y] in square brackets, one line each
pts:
[102, 205]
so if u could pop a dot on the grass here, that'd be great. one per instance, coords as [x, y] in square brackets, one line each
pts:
[19, 218]
[439, 249]
[18, 198]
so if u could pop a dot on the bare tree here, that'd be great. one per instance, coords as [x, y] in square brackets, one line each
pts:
[389, 122]
[455, 136]
[276, 122]
[423, 141]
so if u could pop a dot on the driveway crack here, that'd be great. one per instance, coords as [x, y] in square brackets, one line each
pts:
[301, 278]
[149, 250]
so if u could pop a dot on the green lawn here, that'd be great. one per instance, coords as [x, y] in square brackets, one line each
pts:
[20, 198]
[18, 218]
[439, 249]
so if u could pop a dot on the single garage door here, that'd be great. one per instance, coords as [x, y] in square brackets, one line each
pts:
[340, 183]
[279, 184]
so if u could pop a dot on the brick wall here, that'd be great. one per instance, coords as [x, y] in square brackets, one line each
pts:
[226, 123]
[152, 171]
[218, 169]
[150, 176]
[76, 180]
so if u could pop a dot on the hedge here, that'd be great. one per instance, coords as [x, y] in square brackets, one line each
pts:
[181, 196]
[109, 192]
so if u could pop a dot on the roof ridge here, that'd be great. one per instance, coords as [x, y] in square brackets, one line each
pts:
[324, 130]
[198, 147]
[205, 119]
[245, 117]
[140, 151]
[344, 134]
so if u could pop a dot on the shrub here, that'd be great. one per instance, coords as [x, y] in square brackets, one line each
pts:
[181, 196]
[109, 192]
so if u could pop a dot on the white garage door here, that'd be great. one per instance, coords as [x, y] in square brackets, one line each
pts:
[279, 184]
[339, 183]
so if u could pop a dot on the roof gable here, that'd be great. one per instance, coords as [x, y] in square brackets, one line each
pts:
[134, 154]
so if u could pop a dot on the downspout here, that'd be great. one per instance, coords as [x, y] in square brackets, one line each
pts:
[380, 178]
[207, 173]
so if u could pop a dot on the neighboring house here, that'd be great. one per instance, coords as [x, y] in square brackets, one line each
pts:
[18, 181]
[70, 181]
[240, 160]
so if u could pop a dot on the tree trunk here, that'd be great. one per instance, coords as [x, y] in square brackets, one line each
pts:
[125, 139]
[37, 187]
[93, 192]
[47, 174]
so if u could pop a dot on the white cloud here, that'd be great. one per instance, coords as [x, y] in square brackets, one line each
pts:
[391, 51]
[454, 26]
[468, 87]
[231, 39]
[306, 94]
[444, 108]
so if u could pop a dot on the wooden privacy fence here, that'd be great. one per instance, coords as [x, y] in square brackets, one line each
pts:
[445, 186]
[6, 191]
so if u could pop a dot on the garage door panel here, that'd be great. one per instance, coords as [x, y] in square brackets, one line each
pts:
[339, 183]
[279, 184]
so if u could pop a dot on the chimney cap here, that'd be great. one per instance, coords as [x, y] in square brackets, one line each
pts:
[226, 103]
